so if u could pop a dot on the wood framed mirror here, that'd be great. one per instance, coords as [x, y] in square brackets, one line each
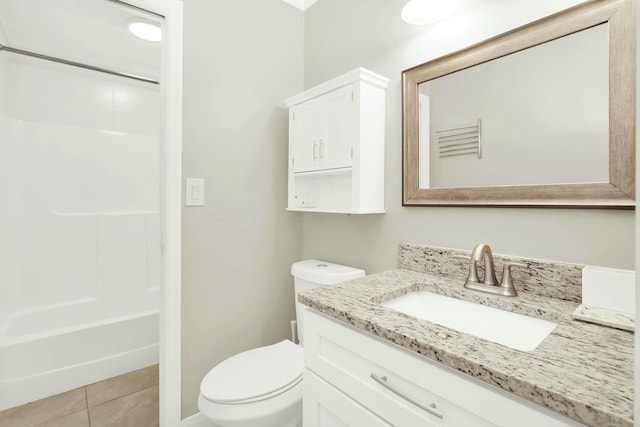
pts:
[612, 187]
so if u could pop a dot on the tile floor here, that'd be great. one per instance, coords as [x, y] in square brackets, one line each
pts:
[129, 400]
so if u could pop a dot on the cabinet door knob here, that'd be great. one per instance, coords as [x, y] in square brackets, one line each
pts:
[315, 150]
[430, 408]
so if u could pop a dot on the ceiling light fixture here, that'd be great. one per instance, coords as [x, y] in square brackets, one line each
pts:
[146, 30]
[420, 12]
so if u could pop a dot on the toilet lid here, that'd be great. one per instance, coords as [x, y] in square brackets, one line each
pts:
[255, 374]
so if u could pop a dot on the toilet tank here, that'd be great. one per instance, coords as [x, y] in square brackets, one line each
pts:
[312, 273]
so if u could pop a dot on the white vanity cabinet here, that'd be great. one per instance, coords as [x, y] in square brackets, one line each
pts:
[355, 379]
[336, 145]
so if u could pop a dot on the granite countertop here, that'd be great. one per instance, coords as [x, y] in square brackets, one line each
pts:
[581, 370]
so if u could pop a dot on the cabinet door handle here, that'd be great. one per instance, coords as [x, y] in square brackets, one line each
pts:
[315, 150]
[430, 409]
[321, 149]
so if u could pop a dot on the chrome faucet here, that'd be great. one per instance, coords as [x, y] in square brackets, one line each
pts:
[482, 253]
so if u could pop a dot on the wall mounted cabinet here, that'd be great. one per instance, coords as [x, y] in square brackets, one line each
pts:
[336, 145]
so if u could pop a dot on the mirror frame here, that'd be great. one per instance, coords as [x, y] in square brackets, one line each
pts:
[618, 193]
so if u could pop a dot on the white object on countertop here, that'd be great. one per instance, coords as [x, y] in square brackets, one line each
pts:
[609, 288]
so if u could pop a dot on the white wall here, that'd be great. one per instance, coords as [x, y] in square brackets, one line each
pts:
[340, 36]
[3, 83]
[4, 126]
[3, 72]
[241, 60]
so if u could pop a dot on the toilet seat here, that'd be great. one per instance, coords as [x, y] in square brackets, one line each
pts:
[254, 375]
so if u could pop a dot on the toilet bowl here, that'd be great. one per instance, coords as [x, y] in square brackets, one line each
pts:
[259, 387]
[262, 387]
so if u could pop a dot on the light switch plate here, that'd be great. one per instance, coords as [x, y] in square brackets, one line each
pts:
[194, 192]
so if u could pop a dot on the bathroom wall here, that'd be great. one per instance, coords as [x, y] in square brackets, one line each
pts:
[340, 36]
[4, 123]
[241, 60]
[3, 71]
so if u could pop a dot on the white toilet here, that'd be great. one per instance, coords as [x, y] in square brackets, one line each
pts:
[262, 387]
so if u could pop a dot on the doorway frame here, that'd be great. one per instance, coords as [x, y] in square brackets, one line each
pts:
[170, 206]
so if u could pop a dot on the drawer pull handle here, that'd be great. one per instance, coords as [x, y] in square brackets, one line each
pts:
[430, 409]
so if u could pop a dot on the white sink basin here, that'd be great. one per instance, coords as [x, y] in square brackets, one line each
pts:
[503, 327]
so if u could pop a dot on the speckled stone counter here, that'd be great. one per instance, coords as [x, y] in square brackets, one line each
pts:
[583, 371]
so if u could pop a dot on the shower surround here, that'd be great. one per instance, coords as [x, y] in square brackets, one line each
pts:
[79, 225]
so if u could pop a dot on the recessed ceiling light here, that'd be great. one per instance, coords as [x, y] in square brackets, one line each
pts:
[146, 30]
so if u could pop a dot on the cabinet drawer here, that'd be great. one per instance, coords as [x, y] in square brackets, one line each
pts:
[326, 406]
[415, 390]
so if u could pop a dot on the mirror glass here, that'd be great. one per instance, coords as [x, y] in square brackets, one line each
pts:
[537, 116]
[540, 116]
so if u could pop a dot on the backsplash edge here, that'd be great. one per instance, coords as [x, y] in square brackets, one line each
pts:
[544, 278]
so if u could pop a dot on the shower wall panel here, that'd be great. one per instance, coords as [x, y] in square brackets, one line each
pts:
[5, 165]
[79, 156]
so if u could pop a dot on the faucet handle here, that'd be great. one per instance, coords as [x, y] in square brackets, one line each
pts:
[467, 257]
[510, 264]
[507, 279]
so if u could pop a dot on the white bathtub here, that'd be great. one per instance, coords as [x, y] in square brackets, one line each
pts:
[37, 365]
